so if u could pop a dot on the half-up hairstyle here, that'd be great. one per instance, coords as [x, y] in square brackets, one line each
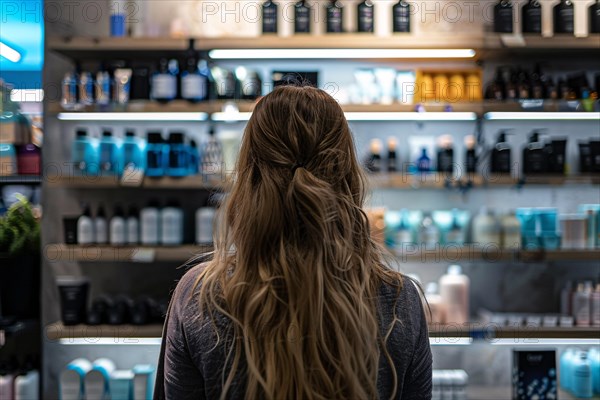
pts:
[295, 268]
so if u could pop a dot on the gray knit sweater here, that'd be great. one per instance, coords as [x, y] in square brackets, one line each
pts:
[190, 366]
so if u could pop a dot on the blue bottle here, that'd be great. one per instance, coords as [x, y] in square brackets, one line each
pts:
[84, 154]
[156, 154]
[194, 158]
[178, 165]
[424, 162]
[566, 361]
[110, 154]
[8, 159]
[133, 152]
[581, 376]
[594, 356]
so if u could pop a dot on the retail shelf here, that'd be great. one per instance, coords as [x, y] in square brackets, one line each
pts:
[527, 42]
[20, 180]
[196, 182]
[491, 254]
[136, 254]
[91, 333]
[505, 393]
[495, 334]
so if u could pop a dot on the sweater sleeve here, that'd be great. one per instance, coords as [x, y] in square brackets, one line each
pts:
[178, 378]
[417, 384]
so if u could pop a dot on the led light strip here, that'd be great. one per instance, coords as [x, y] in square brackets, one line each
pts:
[133, 116]
[542, 116]
[450, 341]
[253, 54]
[230, 116]
[110, 341]
[410, 116]
[543, 342]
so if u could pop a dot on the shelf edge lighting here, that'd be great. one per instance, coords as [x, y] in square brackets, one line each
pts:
[238, 54]
[87, 341]
[542, 116]
[410, 116]
[133, 116]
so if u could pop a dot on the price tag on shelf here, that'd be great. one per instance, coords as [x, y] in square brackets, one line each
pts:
[132, 177]
[143, 255]
[513, 40]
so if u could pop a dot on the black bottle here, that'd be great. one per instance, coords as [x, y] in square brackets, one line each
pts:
[550, 89]
[470, 155]
[532, 17]
[501, 158]
[445, 155]
[495, 90]
[301, 17]
[555, 155]
[401, 16]
[392, 160]
[503, 17]
[563, 89]
[511, 87]
[335, 13]
[585, 157]
[537, 85]
[534, 155]
[564, 17]
[366, 16]
[269, 17]
[594, 14]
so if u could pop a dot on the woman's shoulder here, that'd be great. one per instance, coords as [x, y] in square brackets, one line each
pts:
[187, 287]
[405, 295]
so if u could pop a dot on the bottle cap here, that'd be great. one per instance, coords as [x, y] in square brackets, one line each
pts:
[392, 143]
[118, 211]
[130, 133]
[455, 270]
[81, 132]
[470, 142]
[376, 146]
[106, 133]
[100, 212]
[155, 137]
[431, 288]
[176, 138]
[132, 211]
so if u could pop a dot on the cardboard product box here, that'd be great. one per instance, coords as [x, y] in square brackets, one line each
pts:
[534, 375]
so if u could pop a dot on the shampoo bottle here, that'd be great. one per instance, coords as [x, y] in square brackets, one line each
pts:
[109, 154]
[366, 14]
[133, 226]
[150, 224]
[27, 385]
[503, 17]
[85, 227]
[582, 376]
[194, 158]
[470, 156]
[566, 360]
[178, 155]
[133, 153]
[404, 233]
[594, 17]
[392, 159]
[302, 17]
[564, 17]
[501, 158]
[171, 225]
[581, 305]
[454, 290]
[269, 17]
[335, 12]
[511, 231]
[212, 154]
[532, 17]
[437, 314]
[374, 160]
[84, 154]
[486, 230]
[594, 356]
[100, 226]
[534, 157]
[118, 230]
[205, 218]
[455, 234]
[429, 233]
[424, 162]
[401, 16]
[595, 307]
[194, 85]
[164, 81]
[155, 155]
[445, 155]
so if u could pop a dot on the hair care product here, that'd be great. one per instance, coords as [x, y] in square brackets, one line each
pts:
[302, 14]
[97, 380]
[212, 154]
[429, 233]
[156, 155]
[109, 154]
[164, 81]
[73, 299]
[27, 385]
[392, 159]
[84, 154]
[501, 157]
[133, 226]
[121, 384]
[401, 13]
[511, 231]
[574, 231]
[534, 157]
[334, 14]
[85, 228]
[118, 230]
[366, 16]
[71, 381]
[374, 161]
[566, 360]
[455, 233]
[69, 91]
[171, 225]
[532, 17]
[581, 305]
[122, 85]
[205, 217]
[566, 299]
[118, 19]
[269, 17]
[486, 229]
[503, 17]
[86, 89]
[133, 153]
[595, 306]
[150, 224]
[564, 17]
[594, 357]
[594, 20]
[178, 156]
[582, 376]
[470, 156]
[424, 162]
[194, 158]
[100, 226]
[437, 314]
[454, 290]
[102, 89]
[194, 84]
[445, 154]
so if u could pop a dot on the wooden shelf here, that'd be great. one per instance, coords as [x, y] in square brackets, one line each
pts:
[467, 253]
[196, 182]
[529, 42]
[505, 393]
[117, 254]
[121, 333]
[490, 332]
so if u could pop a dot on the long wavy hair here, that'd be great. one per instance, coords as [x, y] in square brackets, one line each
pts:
[295, 268]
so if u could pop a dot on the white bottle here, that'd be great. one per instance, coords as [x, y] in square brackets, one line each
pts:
[436, 386]
[429, 233]
[486, 230]
[117, 228]
[133, 227]
[454, 290]
[460, 382]
[85, 228]
[595, 306]
[511, 231]
[27, 386]
[6, 386]
[205, 218]
[150, 224]
[172, 225]
[100, 228]
[581, 305]
[437, 310]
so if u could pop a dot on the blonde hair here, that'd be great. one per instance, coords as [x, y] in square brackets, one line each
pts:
[295, 268]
